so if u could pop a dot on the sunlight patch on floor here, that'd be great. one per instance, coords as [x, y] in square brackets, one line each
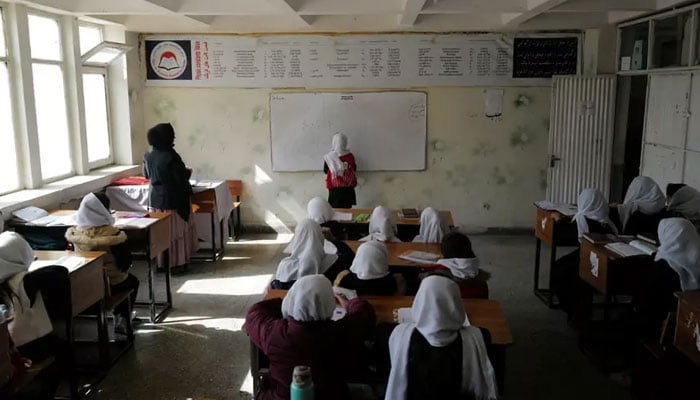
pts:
[240, 286]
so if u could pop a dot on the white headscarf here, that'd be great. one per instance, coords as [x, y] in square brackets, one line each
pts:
[310, 299]
[382, 226]
[29, 322]
[308, 256]
[439, 314]
[319, 210]
[432, 228]
[680, 248]
[339, 147]
[686, 201]
[371, 261]
[592, 205]
[92, 213]
[643, 195]
[461, 268]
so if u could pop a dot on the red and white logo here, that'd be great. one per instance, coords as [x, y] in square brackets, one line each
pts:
[168, 60]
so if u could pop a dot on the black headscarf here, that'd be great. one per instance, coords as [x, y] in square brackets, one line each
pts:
[161, 136]
[456, 245]
[672, 188]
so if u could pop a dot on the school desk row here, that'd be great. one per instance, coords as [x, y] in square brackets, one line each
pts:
[408, 228]
[151, 239]
[482, 313]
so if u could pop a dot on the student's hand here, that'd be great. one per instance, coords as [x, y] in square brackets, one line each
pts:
[327, 234]
[341, 300]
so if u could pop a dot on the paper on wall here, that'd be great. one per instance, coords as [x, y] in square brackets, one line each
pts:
[493, 103]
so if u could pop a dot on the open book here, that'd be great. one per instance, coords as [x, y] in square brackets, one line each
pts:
[342, 216]
[409, 213]
[634, 248]
[403, 315]
[564, 209]
[70, 262]
[29, 214]
[139, 223]
[421, 257]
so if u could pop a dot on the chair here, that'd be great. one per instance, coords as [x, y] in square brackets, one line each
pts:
[235, 188]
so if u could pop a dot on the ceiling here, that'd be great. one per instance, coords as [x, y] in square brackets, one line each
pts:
[352, 15]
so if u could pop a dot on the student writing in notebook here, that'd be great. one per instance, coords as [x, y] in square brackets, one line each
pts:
[382, 226]
[435, 356]
[299, 331]
[31, 331]
[309, 254]
[593, 216]
[432, 228]
[460, 264]
[369, 273]
[676, 268]
[95, 231]
[339, 167]
[642, 209]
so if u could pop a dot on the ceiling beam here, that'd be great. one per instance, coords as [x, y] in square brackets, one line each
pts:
[410, 12]
[534, 8]
[283, 5]
[170, 5]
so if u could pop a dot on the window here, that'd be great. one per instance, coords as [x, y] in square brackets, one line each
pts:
[634, 46]
[96, 116]
[672, 41]
[90, 36]
[49, 97]
[9, 175]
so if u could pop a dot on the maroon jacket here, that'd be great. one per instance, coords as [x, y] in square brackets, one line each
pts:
[333, 350]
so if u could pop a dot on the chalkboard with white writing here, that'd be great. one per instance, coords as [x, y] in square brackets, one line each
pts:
[545, 57]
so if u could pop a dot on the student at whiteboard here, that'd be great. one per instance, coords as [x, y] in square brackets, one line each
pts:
[339, 167]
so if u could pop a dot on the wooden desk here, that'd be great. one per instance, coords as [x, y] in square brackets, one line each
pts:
[444, 215]
[482, 313]
[613, 274]
[687, 338]
[87, 287]
[152, 240]
[397, 249]
[554, 229]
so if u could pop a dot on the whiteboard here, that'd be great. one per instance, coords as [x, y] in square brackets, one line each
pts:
[386, 130]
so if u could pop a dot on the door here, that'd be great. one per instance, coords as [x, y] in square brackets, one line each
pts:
[580, 136]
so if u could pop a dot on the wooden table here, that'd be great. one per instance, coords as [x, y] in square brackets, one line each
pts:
[87, 287]
[444, 215]
[482, 313]
[555, 230]
[397, 249]
[152, 240]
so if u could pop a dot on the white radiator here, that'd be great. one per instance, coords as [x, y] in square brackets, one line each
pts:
[580, 136]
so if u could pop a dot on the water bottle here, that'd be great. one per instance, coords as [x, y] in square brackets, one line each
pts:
[302, 387]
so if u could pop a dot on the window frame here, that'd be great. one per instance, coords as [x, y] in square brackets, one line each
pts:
[105, 73]
[66, 98]
[12, 76]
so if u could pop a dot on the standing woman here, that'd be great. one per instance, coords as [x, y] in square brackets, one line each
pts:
[170, 191]
[339, 167]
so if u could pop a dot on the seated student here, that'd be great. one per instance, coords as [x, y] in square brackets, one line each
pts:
[460, 264]
[95, 232]
[436, 356]
[683, 201]
[592, 216]
[298, 331]
[676, 268]
[382, 226]
[309, 253]
[319, 210]
[30, 328]
[642, 209]
[432, 228]
[369, 273]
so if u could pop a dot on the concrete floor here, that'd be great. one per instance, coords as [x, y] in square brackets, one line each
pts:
[201, 352]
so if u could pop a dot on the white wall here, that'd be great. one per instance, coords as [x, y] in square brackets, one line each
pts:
[488, 172]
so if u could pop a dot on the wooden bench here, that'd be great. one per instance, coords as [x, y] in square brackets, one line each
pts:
[235, 188]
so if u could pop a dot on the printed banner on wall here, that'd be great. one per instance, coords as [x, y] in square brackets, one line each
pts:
[325, 61]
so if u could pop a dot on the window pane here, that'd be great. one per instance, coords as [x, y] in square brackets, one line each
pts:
[634, 46]
[97, 123]
[8, 155]
[3, 44]
[90, 37]
[672, 41]
[44, 38]
[50, 99]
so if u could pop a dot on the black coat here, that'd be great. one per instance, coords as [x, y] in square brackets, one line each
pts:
[170, 186]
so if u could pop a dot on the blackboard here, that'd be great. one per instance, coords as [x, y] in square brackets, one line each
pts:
[545, 57]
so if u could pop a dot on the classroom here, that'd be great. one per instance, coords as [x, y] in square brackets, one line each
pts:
[333, 199]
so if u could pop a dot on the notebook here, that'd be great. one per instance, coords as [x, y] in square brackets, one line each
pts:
[421, 257]
[409, 213]
[70, 262]
[644, 246]
[599, 238]
[134, 222]
[624, 249]
[29, 214]
[342, 216]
